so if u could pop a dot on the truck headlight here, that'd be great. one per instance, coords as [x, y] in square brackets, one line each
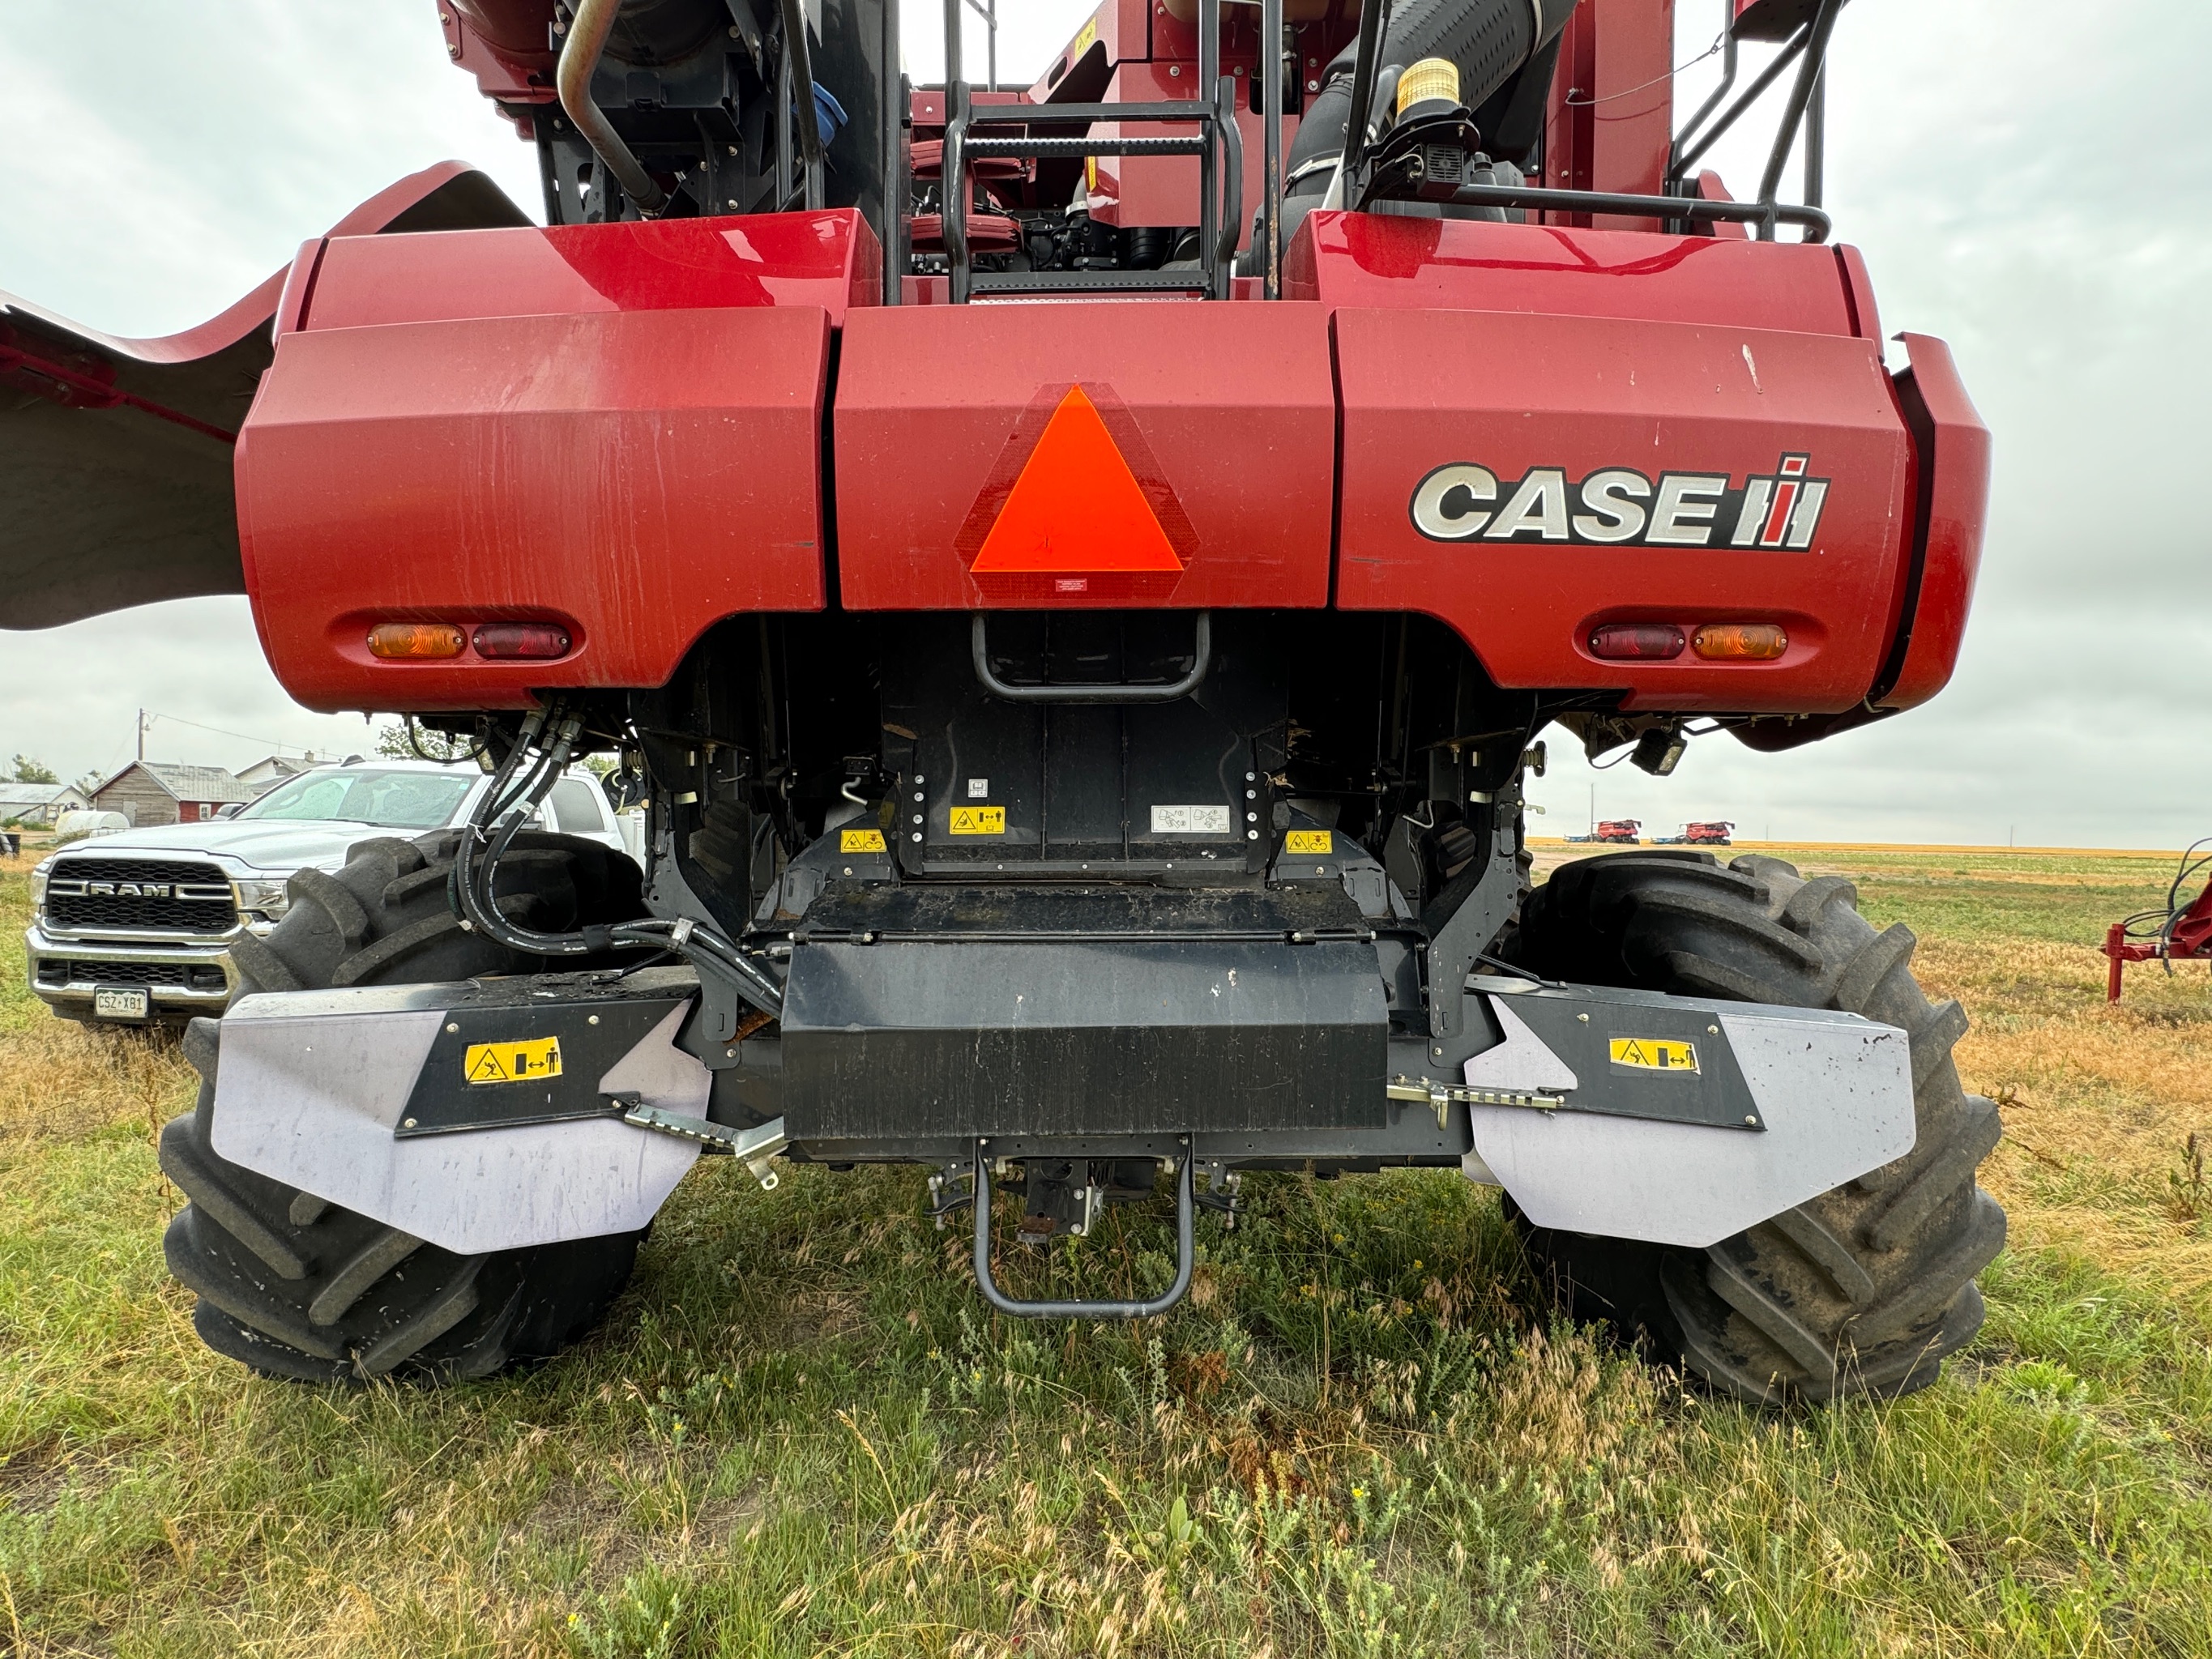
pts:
[268, 898]
[39, 874]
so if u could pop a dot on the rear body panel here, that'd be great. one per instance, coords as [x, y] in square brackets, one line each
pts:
[1689, 433]
[616, 429]
[1225, 415]
[628, 430]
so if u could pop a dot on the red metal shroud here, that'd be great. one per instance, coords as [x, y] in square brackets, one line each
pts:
[1225, 415]
[618, 429]
[1754, 393]
[613, 428]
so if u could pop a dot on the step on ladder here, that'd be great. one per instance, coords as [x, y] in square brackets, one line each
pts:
[971, 134]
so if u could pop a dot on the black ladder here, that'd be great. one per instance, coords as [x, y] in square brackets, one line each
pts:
[1217, 143]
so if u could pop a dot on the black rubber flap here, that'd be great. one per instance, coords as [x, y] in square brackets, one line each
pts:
[1100, 1037]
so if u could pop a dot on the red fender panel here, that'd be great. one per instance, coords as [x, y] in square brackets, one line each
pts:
[1221, 418]
[1527, 479]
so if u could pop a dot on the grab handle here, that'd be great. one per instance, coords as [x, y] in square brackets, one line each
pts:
[1110, 691]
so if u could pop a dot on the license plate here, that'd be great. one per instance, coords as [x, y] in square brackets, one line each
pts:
[123, 1002]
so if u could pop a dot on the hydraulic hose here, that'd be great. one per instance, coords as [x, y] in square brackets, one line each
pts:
[519, 785]
[579, 56]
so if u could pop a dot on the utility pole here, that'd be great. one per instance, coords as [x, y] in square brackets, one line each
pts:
[1593, 823]
[142, 734]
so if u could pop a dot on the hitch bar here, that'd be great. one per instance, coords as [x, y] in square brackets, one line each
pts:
[1186, 1254]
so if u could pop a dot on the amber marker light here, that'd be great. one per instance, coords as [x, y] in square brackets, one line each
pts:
[1635, 641]
[1740, 641]
[524, 640]
[412, 642]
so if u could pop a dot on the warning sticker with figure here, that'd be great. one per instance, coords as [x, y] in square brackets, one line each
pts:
[1308, 842]
[1655, 1053]
[979, 821]
[861, 840]
[513, 1062]
[1190, 821]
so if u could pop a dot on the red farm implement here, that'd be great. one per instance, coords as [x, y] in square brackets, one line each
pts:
[1713, 833]
[2174, 933]
[1075, 575]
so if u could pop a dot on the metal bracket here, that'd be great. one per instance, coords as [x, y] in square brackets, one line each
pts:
[753, 1147]
[1186, 1254]
[1445, 1096]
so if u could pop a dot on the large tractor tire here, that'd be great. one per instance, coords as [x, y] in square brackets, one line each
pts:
[1862, 1290]
[296, 1287]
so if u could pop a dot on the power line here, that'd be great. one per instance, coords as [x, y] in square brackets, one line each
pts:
[222, 732]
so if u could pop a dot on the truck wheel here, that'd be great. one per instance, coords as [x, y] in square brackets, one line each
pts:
[296, 1287]
[1861, 1290]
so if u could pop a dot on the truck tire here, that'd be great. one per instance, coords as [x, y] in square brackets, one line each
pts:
[297, 1287]
[1862, 1290]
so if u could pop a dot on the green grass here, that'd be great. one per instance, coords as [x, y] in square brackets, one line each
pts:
[801, 1433]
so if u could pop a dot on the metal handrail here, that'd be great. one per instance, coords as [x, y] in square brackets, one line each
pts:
[1816, 224]
[1114, 691]
[1727, 81]
[799, 66]
[1269, 61]
[1751, 94]
[1809, 76]
[1212, 111]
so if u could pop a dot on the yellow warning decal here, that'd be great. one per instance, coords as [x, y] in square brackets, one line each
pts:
[979, 820]
[1655, 1053]
[1309, 842]
[513, 1062]
[861, 840]
[1083, 39]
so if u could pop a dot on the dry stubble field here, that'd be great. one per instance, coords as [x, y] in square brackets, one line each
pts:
[1363, 1433]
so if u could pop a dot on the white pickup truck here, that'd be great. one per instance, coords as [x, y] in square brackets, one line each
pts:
[136, 927]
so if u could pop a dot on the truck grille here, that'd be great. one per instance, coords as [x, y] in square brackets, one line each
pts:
[140, 895]
[56, 971]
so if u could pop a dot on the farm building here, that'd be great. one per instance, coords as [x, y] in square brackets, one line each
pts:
[164, 791]
[270, 771]
[39, 802]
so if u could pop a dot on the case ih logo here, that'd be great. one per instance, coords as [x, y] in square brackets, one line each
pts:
[1619, 506]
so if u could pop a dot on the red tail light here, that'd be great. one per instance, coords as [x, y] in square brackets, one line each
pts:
[1633, 642]
[527, 641]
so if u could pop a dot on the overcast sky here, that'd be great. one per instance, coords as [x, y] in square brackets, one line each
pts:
[2028, 179]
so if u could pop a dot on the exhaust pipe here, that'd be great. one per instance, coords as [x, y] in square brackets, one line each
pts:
[579, 56]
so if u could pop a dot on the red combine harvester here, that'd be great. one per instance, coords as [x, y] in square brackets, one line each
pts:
[1075, 575]
[1627, 830]
[2175, 933]
[1714, 834]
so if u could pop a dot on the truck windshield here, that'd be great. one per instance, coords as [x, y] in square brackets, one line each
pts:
[390, 799]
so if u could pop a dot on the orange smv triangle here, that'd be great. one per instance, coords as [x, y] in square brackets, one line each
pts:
[1076, 507]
